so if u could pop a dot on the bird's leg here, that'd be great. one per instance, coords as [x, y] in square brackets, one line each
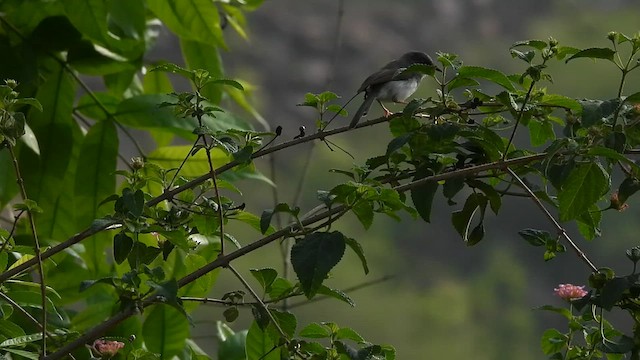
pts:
[387, 113]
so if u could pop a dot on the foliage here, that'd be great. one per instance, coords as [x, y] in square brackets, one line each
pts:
[163, 222]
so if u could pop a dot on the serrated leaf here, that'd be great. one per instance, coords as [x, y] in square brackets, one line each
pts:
[536, 44]
[494, 76]
[314, 256]
[315, 331]
[553, 341]
[594, 53]
[336, 294]
[259, 345]
[265, 277]
[584, 187]
[535, 237]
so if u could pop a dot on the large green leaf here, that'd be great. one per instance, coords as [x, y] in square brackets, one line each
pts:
[94, 178]
[259, 345]
[199, 288]
[314, 256]
[584, 187]
[194, 20]
[170, 157]
[494, 76]
[165, 331]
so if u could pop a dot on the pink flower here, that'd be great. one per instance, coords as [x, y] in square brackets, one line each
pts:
[570, 292]
[107, 348]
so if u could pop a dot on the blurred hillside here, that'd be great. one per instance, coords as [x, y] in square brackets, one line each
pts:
[446, 300]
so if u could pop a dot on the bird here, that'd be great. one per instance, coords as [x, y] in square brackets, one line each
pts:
[391, 83]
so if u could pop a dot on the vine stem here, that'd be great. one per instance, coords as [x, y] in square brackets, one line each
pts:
[36, 245]
[258, 300]
[559, 228]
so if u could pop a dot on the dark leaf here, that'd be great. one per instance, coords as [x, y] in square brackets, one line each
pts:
[594, 53]
[122, 245]
[314, 256]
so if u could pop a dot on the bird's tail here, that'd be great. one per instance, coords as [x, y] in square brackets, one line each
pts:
[362, 110]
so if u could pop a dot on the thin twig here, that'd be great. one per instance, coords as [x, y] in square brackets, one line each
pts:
[258, 300]
[36, 246]
[559, 228]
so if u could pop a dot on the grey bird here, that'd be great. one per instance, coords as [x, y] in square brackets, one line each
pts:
[391, 83]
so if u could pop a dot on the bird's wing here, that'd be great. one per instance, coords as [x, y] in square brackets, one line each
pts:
[386, 74]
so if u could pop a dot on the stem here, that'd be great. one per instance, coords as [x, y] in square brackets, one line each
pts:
[560, 229]
[520, 114]
[36, 245]
[258, 300]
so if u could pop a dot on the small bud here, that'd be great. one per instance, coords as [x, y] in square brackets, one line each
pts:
[11, 83]
[278, 130]
[553, 42]
[612, 35]
[137, 163]
[634, 254]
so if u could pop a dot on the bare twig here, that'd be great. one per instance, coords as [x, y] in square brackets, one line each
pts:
[561, 231]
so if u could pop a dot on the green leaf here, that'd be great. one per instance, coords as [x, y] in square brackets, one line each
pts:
[535, 237]
[267, 215]
[553, 341]
[232, 346]
[540, 132]
[315, 331]
[91, 59]
[206, 56]
[364, 212]
[536, 44]
[349, 334]
[562, 311]
[613, 290]
[463, 219]
[357, 248]
[487, 74]
[197, 20]
[336, 294]
[165, 330]
[21, 340]
[94, 181]
[122, 245]
[584, 187]
[265, 277]
[202, 286]
[170, 157]
[287, 322]
[26, 354]
[594, 53]
[562, 101]
[422, 196]
[280, 288]
[259, 345]
[613, 155]
[314, 256]
[10, 330]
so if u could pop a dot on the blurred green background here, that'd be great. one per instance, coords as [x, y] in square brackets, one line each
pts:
[445, 300]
